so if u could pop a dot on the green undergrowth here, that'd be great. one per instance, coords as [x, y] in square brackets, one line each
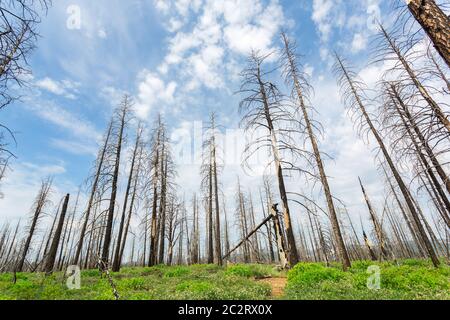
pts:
[407, 279]
[202, 282]
[401, 280]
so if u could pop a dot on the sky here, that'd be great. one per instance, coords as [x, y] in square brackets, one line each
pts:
[180, 58]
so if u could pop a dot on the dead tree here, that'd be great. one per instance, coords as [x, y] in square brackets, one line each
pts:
[210, 186]
[94, 189]
[42, 200]
[265, 109]
[353, 94]
[396, 103]
[379, 233]
[435, 23]
[131, 209]
[51, 256]
[241, 218]
[18, 36]
[116, 261]
[155, 169]
[389, 49]
[195, 232]
[122, 115]
[296, 79]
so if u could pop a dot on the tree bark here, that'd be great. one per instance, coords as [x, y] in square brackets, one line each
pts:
[50, 262]
[435, 23]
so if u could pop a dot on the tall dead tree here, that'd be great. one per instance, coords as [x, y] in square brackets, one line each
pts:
[136, 176]
[435, 23]
[121, 118]
[51, 256]
[264, 108]
[389, 49]
[297, 80]
[42, 200]
[155, 169]
[396, 103]
[353, 93]
[379, 233]
[195, 232]
[210, 185]
[120, 235]
[93, 192]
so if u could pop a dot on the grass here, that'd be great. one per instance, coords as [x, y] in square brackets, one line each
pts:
[198, 282]
[408, 279]
[404, 280]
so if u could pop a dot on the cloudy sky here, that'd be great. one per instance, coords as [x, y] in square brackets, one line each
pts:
[181, 58]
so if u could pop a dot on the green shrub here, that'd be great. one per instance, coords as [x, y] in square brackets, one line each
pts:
[307, 273]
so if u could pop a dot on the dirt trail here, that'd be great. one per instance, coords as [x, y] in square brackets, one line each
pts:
[277, 285]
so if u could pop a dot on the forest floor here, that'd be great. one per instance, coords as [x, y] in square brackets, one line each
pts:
[408, 279]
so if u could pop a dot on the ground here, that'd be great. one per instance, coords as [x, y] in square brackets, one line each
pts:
[408, 279]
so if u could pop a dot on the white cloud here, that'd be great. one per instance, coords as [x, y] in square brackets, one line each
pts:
[102, 34]
[64, 88]
[359, 42]
[63, 118]
[222, 32]
[322, 16]
[153, 90]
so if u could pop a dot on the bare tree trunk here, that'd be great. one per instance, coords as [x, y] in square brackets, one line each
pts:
[343, 254]
[130, 211]
[210, 216]
[116, 261]
[377, 227]
[162, 208]
[39, 206]
[154, 222]
[394, 170]
[92, 196]
[218, 245]
[435, 23]
[423, 91]
[292, 247]
[398, 101]
[50, 261]
[123, 112]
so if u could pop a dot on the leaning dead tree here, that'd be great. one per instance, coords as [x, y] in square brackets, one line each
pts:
[132, 180]
[40, 204]
[435, 23]
[297, 80]
[410, 142]
[51, 256]
[354, 97]
[274, 216]
[122, 115]
[269, 118]
[388, 49]
[94, 189]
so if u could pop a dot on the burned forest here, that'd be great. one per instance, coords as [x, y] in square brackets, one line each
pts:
[137, 209]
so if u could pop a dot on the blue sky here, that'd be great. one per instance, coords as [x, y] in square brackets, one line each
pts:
[181, 58]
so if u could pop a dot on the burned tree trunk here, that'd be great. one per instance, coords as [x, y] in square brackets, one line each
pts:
[263, 102]
[40, 203]
[435, 108]
[293, 75]
[435, 23]
[92, 195]
[51, 257]
[122, 120]
[116, 261]
[349, 84]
